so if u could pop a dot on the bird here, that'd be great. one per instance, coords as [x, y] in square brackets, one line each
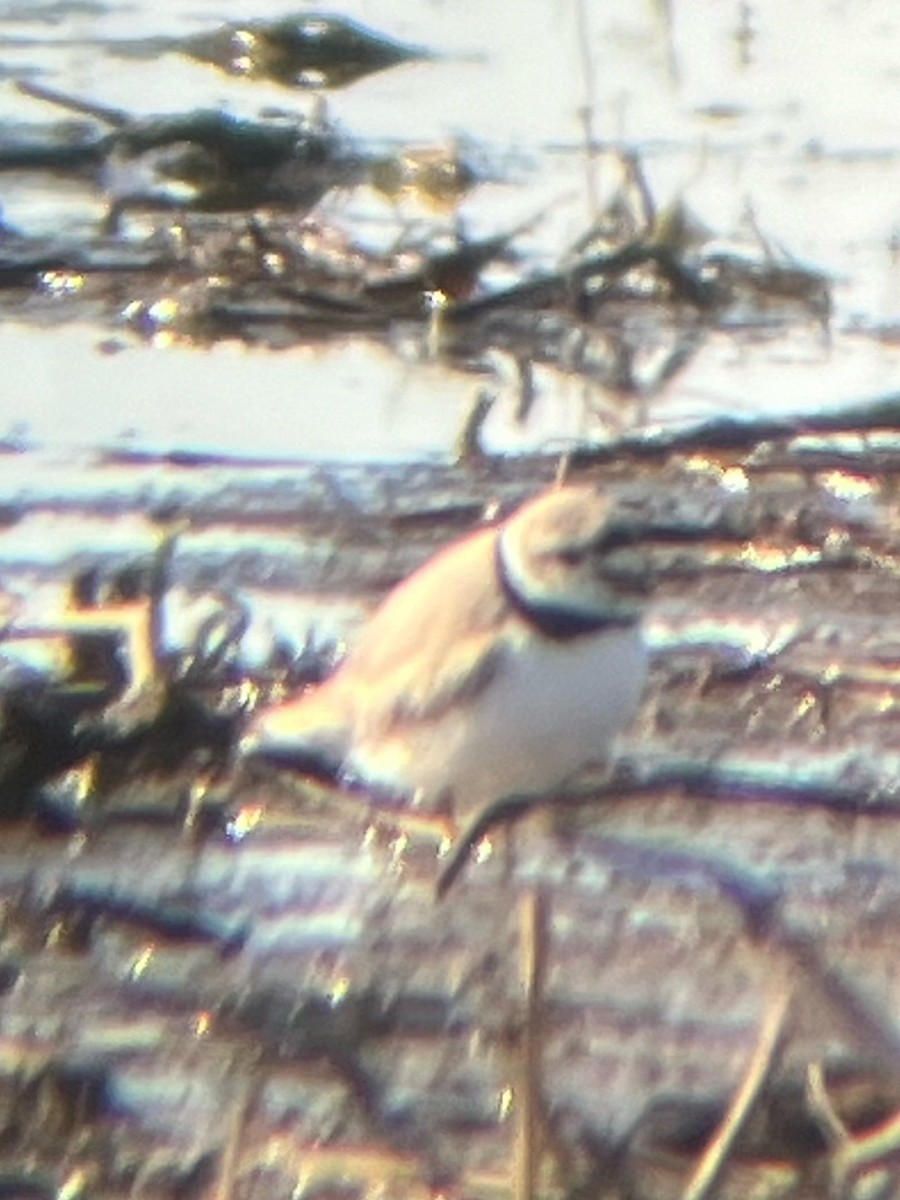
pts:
[506, 663]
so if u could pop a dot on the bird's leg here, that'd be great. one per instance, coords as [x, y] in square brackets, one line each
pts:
[498, 812]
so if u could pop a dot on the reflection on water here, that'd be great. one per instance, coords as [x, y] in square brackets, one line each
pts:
[762, 132]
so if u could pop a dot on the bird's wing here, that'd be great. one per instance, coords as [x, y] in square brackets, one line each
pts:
[438, 640]
[458, 678]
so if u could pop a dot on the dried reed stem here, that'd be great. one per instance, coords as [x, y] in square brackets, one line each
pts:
[715, 1157]
[529, 1098]
[586, 111]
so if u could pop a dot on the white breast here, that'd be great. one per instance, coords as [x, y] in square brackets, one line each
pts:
[554, 707]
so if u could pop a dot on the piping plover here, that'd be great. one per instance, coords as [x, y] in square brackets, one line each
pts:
[507, 662]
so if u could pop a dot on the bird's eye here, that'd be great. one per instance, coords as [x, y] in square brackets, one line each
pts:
[574, 556]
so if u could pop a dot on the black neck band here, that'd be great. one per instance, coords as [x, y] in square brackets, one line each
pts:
[555, 620]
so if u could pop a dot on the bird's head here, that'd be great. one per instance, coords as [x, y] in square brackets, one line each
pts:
[560, 558]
